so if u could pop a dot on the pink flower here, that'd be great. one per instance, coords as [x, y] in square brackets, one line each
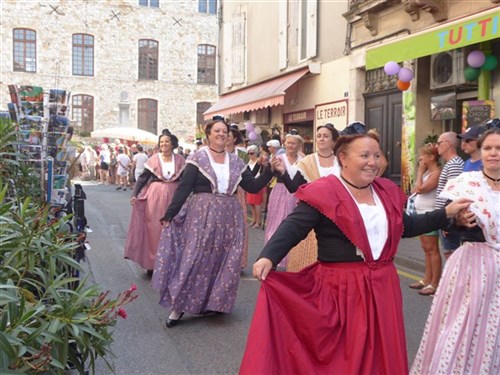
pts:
[133, 287]
[122, 313]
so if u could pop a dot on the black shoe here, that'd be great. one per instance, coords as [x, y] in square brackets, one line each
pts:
[118, 188]
[173, 322]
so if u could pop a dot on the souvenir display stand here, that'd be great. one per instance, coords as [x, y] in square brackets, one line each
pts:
[42, 122]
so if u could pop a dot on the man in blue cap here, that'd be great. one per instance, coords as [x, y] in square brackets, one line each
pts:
[469, 146]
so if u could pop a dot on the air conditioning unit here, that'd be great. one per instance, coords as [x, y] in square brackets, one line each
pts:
[447, 69]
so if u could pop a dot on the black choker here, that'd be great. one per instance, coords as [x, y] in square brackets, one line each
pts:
[326, 157]
[217, 152]
[354, 186]
[495, 181]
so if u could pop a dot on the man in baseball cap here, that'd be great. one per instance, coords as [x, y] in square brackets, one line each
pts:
[469, 146]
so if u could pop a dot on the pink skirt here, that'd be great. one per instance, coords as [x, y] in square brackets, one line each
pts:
[462, 332]
[144, 229]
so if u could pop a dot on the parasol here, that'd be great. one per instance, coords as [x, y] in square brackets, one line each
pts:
[128, 134]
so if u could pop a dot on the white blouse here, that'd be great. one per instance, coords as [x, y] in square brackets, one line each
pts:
[326, 171]
[221, 172]
[167, 168]
[375, 221]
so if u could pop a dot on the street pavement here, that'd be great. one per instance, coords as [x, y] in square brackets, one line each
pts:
[198, 345]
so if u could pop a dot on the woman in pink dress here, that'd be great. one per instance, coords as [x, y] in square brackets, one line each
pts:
[152, 194]
[462, 332]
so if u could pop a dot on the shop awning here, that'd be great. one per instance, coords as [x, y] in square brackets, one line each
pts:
[262, 95]
[473, 29]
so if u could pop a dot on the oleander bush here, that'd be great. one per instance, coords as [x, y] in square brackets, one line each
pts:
[50, 319]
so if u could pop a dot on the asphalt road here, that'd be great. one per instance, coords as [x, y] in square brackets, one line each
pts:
[198, 345]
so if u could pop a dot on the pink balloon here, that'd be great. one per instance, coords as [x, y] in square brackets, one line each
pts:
[405, 75]
[476, 59]
[249, 127]
[252, 136]
[391, 68]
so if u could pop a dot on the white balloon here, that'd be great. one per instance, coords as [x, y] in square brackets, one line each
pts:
[257, 130]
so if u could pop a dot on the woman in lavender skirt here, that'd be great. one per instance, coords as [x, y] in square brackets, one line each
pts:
[197, 269]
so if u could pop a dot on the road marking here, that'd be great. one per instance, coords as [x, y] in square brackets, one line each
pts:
[409, 275]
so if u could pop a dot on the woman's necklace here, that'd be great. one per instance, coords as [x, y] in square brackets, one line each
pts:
[217, 152]
[326, 157]
[290, 160]
[354, 186]
[495, 180]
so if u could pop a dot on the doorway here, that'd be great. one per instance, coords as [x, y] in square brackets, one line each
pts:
[383, 111]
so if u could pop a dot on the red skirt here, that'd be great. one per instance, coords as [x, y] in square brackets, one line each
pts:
[256, 198]
[329, 318]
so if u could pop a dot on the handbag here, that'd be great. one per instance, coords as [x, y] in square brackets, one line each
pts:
[410, 205]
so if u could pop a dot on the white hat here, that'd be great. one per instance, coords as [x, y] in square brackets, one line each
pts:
[273, 143]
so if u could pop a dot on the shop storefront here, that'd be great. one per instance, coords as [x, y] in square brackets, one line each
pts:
[303, 122]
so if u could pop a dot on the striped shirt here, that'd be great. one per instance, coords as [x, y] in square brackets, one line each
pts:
[453, 168]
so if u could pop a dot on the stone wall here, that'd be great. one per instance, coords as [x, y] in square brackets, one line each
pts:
[117, 27]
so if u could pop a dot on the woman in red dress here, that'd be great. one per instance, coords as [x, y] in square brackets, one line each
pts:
[342, 314]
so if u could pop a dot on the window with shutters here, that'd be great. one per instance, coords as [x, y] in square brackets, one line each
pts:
[83, 55]
[308, 29]
[147, 115]
[82, 109]
[24, 50]
[148, 59]
[206, 64]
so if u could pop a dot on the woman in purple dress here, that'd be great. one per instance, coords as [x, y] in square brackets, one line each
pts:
[197, 269]
[152, 194]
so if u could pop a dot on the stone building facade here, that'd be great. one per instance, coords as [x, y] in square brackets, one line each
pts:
[149, 64]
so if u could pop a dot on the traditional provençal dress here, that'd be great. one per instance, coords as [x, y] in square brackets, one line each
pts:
[281, 202]
[154, 190]
[199, 256]
[343, 314]
[462, 334]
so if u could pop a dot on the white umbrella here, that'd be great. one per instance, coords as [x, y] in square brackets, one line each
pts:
[129, 134]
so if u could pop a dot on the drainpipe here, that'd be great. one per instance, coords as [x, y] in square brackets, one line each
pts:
[483, 82]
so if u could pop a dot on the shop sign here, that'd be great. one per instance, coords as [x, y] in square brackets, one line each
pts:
[454, 35]
[477, 112]
[334, 112]
[300, 116]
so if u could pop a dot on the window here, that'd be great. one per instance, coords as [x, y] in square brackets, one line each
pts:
[83, 55]
[308, 29]
[24, 50]
[148, 59]
[83, 112]
[147, 118]
[206, 63]
[200, 108]
[150, 3]
[207, 6]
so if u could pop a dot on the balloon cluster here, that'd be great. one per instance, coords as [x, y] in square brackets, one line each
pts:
[405, 75]
[252, 131]
[478, 61]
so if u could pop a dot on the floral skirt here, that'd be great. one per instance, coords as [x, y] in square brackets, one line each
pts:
[198, 264]
[462, 332]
